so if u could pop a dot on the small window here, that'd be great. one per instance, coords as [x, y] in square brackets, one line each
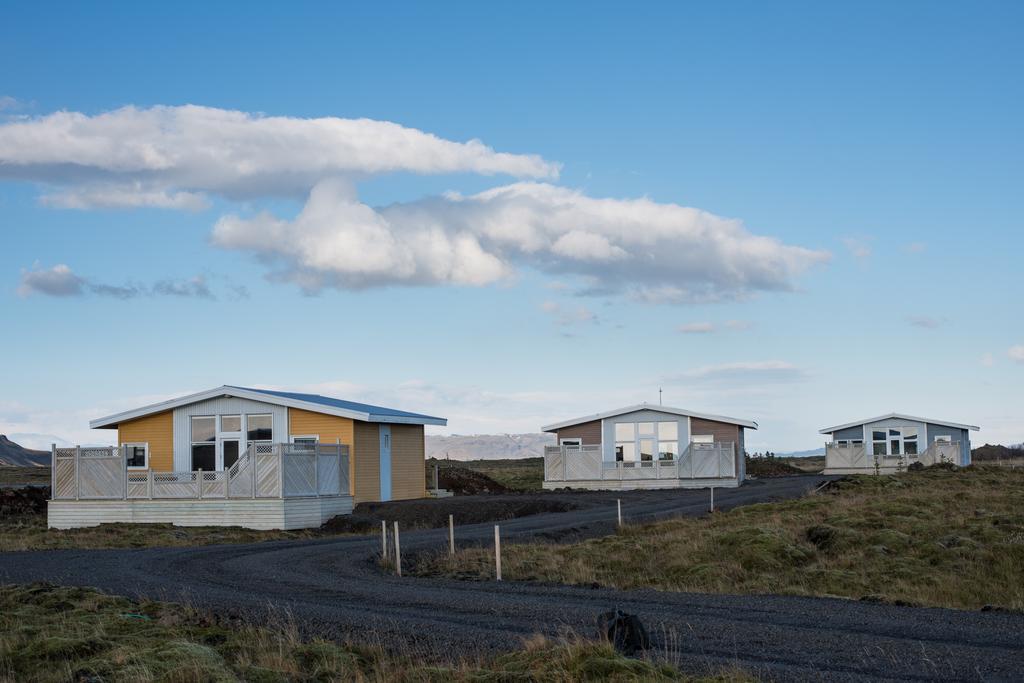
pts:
[944, 439]
[230, 423]
[204, 429]
[878, 436]
[910, 447]
[668, 431]
[858, 442]
[894, 433]
[137, 455]
[572, 443]
[306, 442]
[625, 431]
[668, 450]
[646, 450]
[259, 427]
[842, 443]
[894, 447]
[703, 440]
[878, 447]
[646, 428]
[625, 452]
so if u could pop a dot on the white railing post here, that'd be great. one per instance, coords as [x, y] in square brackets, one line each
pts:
[78, 455]
[316, 468]
[398, 552]
[279, 451]
[124, 459]
[565, 464]
[149, 483]
[200, 496]
[53, 471]
[252, 472]
[497, 552]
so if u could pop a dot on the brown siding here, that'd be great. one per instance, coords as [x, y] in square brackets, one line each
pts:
[328, 429]
[722, 431]
[366, 460]
[156, 430]
[588, 432]
[408, 464]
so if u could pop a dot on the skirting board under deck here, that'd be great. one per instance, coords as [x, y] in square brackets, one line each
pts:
[639, 484]
[269, 513]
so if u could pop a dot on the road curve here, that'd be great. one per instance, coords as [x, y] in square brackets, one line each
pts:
[332, 587]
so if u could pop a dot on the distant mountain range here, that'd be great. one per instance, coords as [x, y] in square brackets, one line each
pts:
[488, 446]
[14, 455]
[803, 454]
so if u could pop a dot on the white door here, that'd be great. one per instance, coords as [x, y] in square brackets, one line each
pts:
[385, 462]
[227, 452]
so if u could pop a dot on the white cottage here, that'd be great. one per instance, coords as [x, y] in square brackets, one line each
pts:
[893, 442]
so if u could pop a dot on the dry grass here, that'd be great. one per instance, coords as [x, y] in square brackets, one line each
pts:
[937, 537]
[62, 634]
[24, 475]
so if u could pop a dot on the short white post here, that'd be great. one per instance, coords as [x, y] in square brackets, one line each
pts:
[78, 456]
[398, 553]
[53, 471]
[200, 481]
[451, 535]
[124, 469]
[384, 540]
[497, 552]
[149, 484]
[618, 504]
[712, 499]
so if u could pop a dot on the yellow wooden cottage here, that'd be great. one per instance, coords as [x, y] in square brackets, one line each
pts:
[232, 455]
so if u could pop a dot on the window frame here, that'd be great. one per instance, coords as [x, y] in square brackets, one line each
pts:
[247, 429]
[136, 444]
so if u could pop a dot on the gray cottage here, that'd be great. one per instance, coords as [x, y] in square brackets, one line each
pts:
[892, 442]
[646, 446]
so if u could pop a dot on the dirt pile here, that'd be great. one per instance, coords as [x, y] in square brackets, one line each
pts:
[24, 501]
[466, 482]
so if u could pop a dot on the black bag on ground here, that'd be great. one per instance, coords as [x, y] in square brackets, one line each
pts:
[624, 631]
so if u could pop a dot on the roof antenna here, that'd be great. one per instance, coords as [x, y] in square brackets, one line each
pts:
[659, 396]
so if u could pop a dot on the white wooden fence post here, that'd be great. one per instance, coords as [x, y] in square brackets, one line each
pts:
[618, 504]
[384, 540]
[316, 468]
[78, 454]
[124, 470]
[149, 483]
[53, 471]
[200, 480]
[497, 552]
[451, 535]
[398, 553]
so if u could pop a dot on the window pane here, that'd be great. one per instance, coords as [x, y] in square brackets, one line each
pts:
[647, 449]
[646, 428]
[894, 447]
[136, 456]
[231, 423]
[909, 433]
[702, 438]
[668, 431]
[910, 447]
[618, 454]
[230, 453]
[668, 450]
[624, 431]
[204, 429]
[857, 442]
[894, 432]
[260, 427]
[204, 457]
[879, 448]
[878, 436]
[628, 451]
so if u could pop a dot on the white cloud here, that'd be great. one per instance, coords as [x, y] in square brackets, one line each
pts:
[858, 246]
[168, 156]
[741, 374]
[567, 316]
[1016, 353]
[56, 281]
[8, 102]
[61, 281]
[629, 245]
[988, 360]
[924, 321]
[698, 328]
[710, 327]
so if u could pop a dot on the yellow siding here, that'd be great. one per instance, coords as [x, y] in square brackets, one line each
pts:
[408, 464]
[328, 429]
[367, 462]
[156, 430]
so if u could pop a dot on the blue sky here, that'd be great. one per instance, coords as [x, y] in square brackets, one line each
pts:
[856, 170]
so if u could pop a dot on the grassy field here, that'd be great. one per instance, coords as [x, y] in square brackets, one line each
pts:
[24, 475]
[78, 634]
[526, 474]
[937, 537]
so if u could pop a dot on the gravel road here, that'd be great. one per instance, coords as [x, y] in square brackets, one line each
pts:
[332, 587]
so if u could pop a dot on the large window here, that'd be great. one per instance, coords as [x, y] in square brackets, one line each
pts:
[230, 423]
[204, 443]
[646, 441]
[259, 427]
[894, 441]
[625, 442]
[138, 455]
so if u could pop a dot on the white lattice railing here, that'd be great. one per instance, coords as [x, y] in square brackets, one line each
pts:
[586, 463]
[264, 470]
[856, 456]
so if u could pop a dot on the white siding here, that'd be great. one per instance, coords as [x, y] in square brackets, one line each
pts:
[221, 406]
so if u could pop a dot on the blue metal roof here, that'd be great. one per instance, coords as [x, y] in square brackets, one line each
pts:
[338, 403]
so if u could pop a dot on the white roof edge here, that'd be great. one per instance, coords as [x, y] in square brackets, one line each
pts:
[225, 390]
[899, 416]
[750, 424]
